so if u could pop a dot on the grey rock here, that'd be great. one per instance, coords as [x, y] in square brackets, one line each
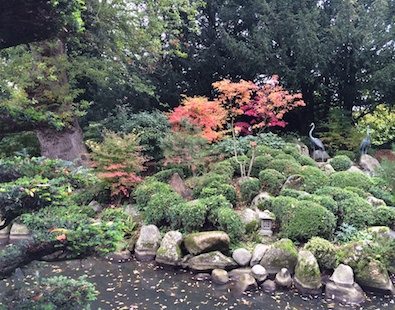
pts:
[259, 200]
[242, 256]
[269, 286]
[95, 206]
[148, 243]
[307, 274]
[354, 169]
[243, 283]
[19, 229]
[249, 218]
[258, 253]
[169, 252]
[343, 275]
[326, 167]
[210, 261]
[202, 276]
[369, 163]
[259, 273]
[207, 241]
[238, 272]
[281, 254]
[178, 185]
[283, 278]
[293, 182]
[303, 149]
[319, 155]
[376, 202]
[219, 276]
[134, 212]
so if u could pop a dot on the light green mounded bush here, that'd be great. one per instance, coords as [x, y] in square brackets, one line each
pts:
[345, 179]
[384, 216]
[198, 183]
[284, 156]
[306, 161]
[358, 191]
[341, 163]
[240, 159]
[271, 180]
[228, 220]
[285, 166]
[313, 178]
[188, 216]
[216, 202]
[324, 200]
[356, 212]
[261, 163]
[165, 175]
[156, 210]
[249, 188]
[289, 192]
[383, 194]
[223, 168]
[147, 189]
[291, 149]
[280, 205]
[324, 251]
[216, 188]
[307, 220]
[349, 154]
[265, 150]
[337, 193]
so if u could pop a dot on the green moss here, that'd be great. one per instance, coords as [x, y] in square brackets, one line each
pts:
[286, 245]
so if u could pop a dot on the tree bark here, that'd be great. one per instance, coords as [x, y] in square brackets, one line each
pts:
[67, 144]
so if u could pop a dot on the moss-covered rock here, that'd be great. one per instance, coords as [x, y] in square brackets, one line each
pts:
[197, 243]
[169, 252]
[281, 254]
[210, 261]
[307, 274]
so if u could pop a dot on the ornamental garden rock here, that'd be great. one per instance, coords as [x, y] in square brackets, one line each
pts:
[219, 276]
[210, 261]
[281, 254]
[307, 274]
[257, 254]
[207, 241]
[169, 252]
[283, 278]
[242, 256]
[243, 283]
[148, 243]
[259, 273]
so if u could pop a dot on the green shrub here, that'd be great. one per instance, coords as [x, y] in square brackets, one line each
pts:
[285, 166]
[384, 216]
[156, 209]
[341, 163]
[350, 154]
[383, 194]
[324, 251]
[271, 180]
[261, 163]
[313, 178]
[291, 149]
[306, 161]
[249, 188]
[188, 216]
[337, 193]
[228, 220]
[279, 205]
[289, 192]
[198, 183]
[263, 150]
[356, 212]
[216, 202]
[358, 191]
[307, 220]
[147, 189]
[324, 200]
[284, 156]
[224, 168]
[216, 188]
[345, 179]
[57, 292]
[165, 175]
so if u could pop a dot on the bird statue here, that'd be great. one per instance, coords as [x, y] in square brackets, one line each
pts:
[366, 142]
[315, 142]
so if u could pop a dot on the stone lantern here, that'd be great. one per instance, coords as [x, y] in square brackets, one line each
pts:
[267, 219]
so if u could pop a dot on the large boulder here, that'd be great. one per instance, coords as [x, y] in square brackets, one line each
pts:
[257, 254]
[210, 261]
[293, 182]
[169, 252]
[259, 200]
[281, 254]
[148, 243]
[369, 163]
[242, 256]
[307, 274]
[219, 276]
[326, 167]
[250, 219]
[376, 202]
[303, 149]
[342, 287]
[354, 169]
[207, 241]
[178, 185]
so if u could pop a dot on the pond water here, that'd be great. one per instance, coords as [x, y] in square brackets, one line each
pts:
[136, 285]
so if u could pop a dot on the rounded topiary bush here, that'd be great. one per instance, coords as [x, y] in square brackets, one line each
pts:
[198, 183]
[188, 216]
[306, 161]
[284, 156]
[306, 220]
[324, 251]
[216, 202]
[324, 200]
[341, 163]
[249, 188]
[228, 220]
[286, 166]
[313, 178]
[349, 154]
[345, 179]
[165, 175]
[384, 216]
[147, 189]
[356, 212]
[337, 193]
[223, 168]
[260, 163]
[279, 205]
[291, 149]
[156, 210]
[271, 180]
[294, 193]
[217, 188]
[266, 150]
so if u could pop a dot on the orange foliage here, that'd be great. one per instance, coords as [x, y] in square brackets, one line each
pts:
[208, 116]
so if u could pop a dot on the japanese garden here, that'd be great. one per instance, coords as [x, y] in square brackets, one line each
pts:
[197, 154]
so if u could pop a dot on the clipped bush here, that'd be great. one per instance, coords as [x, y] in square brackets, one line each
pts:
[198, 183]
[165, 175]
[383, 194]
[285, 166]
[324, 200]
[291, 149]
[306, 161]
[188, 216]
[324, 251]
[350, 154]
[384, 216]
[216, 188]
[228, 220]
[307, 220]
[216, 202]
[345, 179]
[156, 209]
[261, 163]
[147, 189]
[271, 180]
[358, 191]
[337, 193]
[249, 188]
[263, 150]
[284, 157]
[356, 212]
[223, 168]
[313, 178]
[279, 205]
[341, 163]
[294, 193]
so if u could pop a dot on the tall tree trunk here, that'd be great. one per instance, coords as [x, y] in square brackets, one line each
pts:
[67, 144]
